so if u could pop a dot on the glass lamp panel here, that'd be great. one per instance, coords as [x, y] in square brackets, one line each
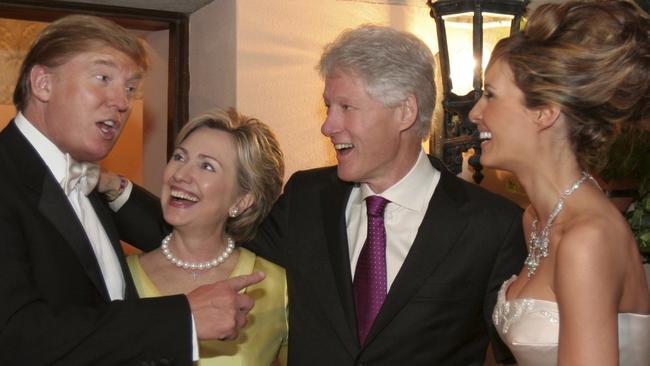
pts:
[459, 28]
[495, 27]
[459, 44]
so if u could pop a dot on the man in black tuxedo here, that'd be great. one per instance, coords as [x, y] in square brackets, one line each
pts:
[67, 296]
[445, 245]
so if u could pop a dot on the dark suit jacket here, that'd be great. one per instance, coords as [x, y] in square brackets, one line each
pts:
[438, 309]
[54, 305]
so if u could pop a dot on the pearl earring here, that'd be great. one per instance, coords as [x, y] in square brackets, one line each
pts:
[233, 212]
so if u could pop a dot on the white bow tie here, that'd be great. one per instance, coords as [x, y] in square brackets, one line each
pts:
[85, 175]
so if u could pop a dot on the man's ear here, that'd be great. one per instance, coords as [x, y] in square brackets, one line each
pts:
[408, 112]
[546, 116]
[40, 80]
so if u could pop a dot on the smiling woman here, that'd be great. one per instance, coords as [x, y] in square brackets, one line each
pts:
[220, 182]
[555, 97]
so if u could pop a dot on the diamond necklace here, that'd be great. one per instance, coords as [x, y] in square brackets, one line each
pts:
[200, 266]
[538, 243]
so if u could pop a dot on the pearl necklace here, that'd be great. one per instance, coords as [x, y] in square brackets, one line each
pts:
[538, 243]
[200, 266]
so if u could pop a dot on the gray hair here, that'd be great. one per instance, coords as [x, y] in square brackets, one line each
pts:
[393, 64]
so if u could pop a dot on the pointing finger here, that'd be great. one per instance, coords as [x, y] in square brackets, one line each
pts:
[240, 282]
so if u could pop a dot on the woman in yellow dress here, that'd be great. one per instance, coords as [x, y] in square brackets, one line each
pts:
[222, 179]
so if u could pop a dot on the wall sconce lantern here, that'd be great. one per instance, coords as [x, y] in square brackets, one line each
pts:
[467, 31]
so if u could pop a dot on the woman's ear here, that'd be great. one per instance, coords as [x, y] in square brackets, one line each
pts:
[408, 110]
[545, 117]
[244, 203]
[40, 83]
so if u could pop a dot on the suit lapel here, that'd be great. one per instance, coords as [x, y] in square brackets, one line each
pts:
[443, 223]
[441, 226]
[56, 208]
[51, 201]
[339, 285]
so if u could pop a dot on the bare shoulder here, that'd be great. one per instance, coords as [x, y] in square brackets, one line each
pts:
[594, 248]
[590, 237]
[587, 269]
[598, 265]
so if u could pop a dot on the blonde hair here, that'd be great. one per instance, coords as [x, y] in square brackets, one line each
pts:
[69, 36]
[592, 59]
[260, 164]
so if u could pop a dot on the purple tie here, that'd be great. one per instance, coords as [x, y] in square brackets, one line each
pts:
[370, 275]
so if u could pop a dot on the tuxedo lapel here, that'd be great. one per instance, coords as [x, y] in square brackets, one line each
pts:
[443, 223]
[56, 208]
[336, 282]
[51, 201]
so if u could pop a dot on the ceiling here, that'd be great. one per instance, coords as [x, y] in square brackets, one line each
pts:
[190, 6]
[177, 6]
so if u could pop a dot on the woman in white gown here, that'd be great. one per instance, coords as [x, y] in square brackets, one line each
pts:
[554, 97]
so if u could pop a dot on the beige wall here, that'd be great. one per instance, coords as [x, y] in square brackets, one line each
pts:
[266, 67]
[154, 113]
[213, 57]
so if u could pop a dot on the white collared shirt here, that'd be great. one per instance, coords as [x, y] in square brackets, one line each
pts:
[56, 161]
[409, 199]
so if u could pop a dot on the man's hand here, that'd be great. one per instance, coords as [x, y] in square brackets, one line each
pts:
[219, 309]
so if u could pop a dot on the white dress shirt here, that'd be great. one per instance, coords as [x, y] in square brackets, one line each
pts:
[409, 199]
[56, 161]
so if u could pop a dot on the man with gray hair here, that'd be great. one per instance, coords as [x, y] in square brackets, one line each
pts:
[390, 258]
[418, 284]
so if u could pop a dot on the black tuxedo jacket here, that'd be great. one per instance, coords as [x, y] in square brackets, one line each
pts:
[54, 305]
[438, 309]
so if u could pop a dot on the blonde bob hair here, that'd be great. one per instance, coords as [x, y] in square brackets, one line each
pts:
[260, 164]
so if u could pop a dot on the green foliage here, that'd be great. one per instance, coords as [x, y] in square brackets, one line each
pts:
[639, 219]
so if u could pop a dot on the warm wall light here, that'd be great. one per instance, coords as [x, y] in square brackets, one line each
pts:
[462, 62]
[467, 30]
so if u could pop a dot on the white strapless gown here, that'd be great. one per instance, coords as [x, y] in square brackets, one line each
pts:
[531, 327]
